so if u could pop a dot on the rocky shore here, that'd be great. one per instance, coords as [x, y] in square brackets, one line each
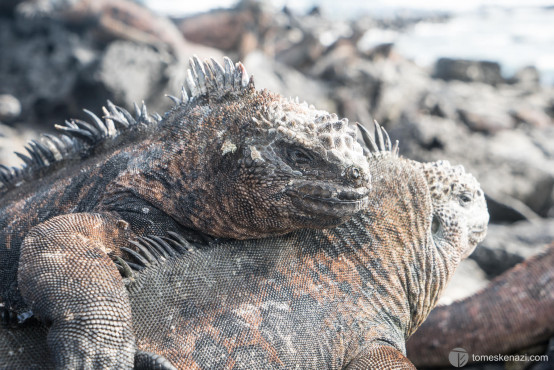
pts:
[69, 55]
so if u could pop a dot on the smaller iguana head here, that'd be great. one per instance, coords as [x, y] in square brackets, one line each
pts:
[270, 164]
[460, 215]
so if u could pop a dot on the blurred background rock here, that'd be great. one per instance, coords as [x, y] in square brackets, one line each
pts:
[470, 84]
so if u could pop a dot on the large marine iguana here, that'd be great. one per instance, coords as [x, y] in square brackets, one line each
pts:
[346, 297]
[228, 161]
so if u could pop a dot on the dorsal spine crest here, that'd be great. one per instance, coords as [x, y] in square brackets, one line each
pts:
[79, 137]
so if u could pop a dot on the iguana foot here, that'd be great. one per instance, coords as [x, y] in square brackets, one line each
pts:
[83, 343]
[67, 278]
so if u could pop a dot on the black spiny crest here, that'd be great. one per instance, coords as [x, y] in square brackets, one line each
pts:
[380, 144]
[79, 138]
[151, 250]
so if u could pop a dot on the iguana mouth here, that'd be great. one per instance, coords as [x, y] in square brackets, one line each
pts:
[322, 198]
[477, 235]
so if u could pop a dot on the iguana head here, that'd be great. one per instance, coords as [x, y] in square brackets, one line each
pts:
[271, 164]
[460, 214]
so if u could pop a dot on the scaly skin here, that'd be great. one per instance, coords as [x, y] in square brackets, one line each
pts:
[229, 161]
[346, 297]
[512, 313]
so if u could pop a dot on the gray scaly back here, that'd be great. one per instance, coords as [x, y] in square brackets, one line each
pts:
[79, 139]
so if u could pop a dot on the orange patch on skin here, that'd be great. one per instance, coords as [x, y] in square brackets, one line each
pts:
[250, 314]
[182, 356]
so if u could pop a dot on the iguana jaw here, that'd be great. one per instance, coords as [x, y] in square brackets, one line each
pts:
[330, 206]
[322, 198]
[477, 236]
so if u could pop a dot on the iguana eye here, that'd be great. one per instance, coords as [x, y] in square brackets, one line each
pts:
[299, 156]
[465, 198]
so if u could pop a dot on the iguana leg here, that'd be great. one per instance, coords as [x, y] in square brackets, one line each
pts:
[381, 357]
[67, 278]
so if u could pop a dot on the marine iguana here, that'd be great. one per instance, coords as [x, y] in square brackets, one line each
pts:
[346, 297]
[228, 161]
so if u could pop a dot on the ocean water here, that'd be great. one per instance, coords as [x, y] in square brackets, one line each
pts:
[514, 33]
[513, 37]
